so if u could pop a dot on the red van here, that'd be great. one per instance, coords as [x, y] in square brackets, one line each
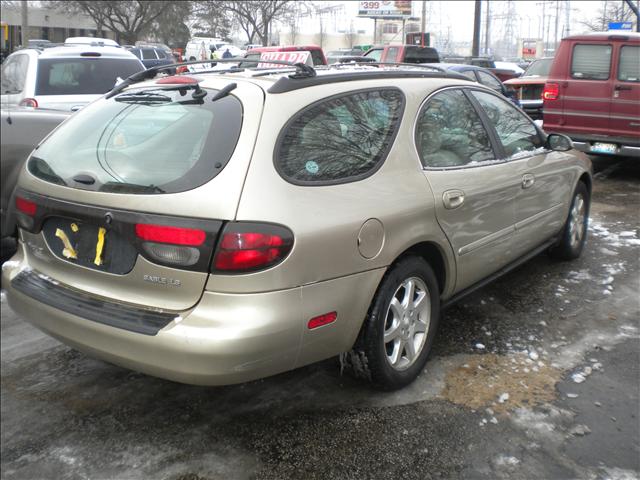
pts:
[592, 93]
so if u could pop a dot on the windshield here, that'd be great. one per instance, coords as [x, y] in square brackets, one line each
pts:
[82, 76]
[159, 140]
[539, 68]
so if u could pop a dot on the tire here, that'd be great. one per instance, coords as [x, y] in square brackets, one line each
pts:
[393, 365]
[574, 233]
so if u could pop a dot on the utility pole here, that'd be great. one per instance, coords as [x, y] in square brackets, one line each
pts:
[636, 11]
[475, 49]
[423, 21]
[487, 30]
[24, 29]
[555, 37]
[567, 19]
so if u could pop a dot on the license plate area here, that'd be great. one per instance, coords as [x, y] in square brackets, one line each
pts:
[599, 147]
[89, 245]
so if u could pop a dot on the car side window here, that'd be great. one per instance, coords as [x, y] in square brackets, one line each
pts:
[449, 132]
[469, 74]
[375, 54]
[490, 81]
[14, 74]
[516, 132]
[148, 54]
[629, 67]
[340, 139]
[591, 62]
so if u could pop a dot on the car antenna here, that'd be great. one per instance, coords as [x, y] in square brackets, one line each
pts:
[224, 91]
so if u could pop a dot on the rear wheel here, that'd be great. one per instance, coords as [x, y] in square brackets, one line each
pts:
[574, 233]
[399, 331]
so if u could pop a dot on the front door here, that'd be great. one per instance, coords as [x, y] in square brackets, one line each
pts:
[625, 103]
[474, 191]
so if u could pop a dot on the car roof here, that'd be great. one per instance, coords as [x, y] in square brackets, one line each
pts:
[612, 35]
[79, 50]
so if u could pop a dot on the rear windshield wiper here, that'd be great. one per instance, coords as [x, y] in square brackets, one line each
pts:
[120, 187]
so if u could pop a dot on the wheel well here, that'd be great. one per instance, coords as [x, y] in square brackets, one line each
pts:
[434, 257]
[586, 179]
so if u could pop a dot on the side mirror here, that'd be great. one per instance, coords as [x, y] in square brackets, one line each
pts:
[558, 142]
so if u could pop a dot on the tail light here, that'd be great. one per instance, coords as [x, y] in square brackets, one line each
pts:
[551, 91]
[171, 245]
[29, 102]
[26, 211]
[249, 247]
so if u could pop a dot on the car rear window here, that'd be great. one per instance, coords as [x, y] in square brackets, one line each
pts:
[82, 76]
[591, 62]
[142, 141]
[340, 139]
[421, 55]
[629, 69]
[539, 68]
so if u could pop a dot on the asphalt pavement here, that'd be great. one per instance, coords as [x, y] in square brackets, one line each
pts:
[535, 376]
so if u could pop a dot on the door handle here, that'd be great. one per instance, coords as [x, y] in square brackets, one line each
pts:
[528, 180]
[452, 199]
[622, 87]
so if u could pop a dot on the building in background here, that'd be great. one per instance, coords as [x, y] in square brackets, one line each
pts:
[45, 24]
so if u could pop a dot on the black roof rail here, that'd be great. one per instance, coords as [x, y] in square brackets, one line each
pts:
[301, 71]
[286, 84]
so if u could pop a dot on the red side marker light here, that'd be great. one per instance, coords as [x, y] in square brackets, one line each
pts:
[322, 320]
[173, 235]
[26, 206]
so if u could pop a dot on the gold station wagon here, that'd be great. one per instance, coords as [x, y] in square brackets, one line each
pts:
[217, 227]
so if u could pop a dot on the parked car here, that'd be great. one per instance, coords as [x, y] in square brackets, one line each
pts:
[317, 55]
[64, 78]
[261, 226]
[529, 86]
[403, 54]
[489, 63]
[593, 93]
[199, 48]
[21, 129]
[480, 75]
[152, 56]
[335, 56]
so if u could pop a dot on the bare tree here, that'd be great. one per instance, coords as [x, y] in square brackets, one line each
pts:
[292, 18]
[256, 16]
[351, 34]
[128, 18]
[212, 19]
[609, 11]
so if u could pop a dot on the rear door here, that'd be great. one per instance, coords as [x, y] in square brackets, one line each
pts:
[587, 92]
[474, 191]
[625, 103]
[129, 195]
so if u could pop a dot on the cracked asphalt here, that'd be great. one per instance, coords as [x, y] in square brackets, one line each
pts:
[535, 376]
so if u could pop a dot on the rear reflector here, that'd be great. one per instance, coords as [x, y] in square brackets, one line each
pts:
[26, 206]
[29, 102]
[249, 247]
[172, 235]
[551, 91]
[321, 320]
[172, 254]
[177, 80]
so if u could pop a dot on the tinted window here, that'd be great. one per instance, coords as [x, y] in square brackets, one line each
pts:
[161, 54]
[516, 132]
[316, 56]
[148, 54]
[143, 141]
[490, 81]
[375, 54]
[591, 62]
[14, 74]
[392, 55]
[629, 69]
[449, 132]
[77, 76]
[339, 139]
[420, 55]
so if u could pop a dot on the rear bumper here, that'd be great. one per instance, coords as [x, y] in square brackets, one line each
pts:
[224, 339]
[627, 147]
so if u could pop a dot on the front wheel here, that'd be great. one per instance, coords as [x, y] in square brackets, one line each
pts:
[574, 233]
[399, 331]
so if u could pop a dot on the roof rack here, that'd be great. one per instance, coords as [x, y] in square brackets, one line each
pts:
[301, 71]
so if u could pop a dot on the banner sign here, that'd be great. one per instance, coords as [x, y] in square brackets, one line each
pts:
[301, 56]
[385, 9]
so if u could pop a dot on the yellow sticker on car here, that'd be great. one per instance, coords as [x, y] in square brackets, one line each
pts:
[100, 246]
[68, 251]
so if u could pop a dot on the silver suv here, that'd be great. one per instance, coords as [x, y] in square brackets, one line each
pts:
[66, 77]
[214, 228]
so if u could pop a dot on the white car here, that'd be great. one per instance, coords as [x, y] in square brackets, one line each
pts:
[510, 66]
[64, 78]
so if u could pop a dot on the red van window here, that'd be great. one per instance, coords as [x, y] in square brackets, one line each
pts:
[591, 62]
[629, 68]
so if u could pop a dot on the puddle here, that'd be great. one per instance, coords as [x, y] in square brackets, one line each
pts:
[502, 382]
